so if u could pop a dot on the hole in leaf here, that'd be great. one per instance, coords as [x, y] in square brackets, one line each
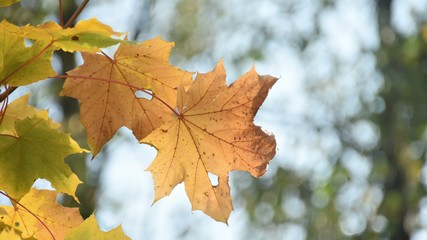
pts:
[213, 178]
[142, 94]
[42, 183]
[28, 42]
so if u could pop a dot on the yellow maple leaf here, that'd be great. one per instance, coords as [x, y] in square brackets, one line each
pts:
[213, 133]
[88, 35]
[38, 215]
[106, 89]
[89, 229]
[9, 234]
[20, 65]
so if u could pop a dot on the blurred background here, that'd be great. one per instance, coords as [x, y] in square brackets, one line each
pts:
[349, 114]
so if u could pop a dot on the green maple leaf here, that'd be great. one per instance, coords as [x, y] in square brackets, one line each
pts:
[19, 109]
[36, 150]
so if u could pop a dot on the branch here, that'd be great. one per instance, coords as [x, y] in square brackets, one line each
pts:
[76, 14]
[6, 93]
[61, 13]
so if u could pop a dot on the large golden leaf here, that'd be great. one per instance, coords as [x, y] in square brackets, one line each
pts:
[106, 89]
[212, 133]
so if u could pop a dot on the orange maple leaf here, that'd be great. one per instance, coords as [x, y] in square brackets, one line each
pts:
[106, 88]
[38, 215]
[212, 133]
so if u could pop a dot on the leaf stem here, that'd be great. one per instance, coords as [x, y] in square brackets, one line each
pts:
[123, 84]
[105, 55]
[6, 93]
[76, 14]
[29, 211]
[61, 13]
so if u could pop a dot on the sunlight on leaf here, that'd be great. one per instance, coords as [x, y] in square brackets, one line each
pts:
[21, 65]
[88, 35]
[9, 233]
[214, 134]
[107, 95]
[58, 220]
[89, 229]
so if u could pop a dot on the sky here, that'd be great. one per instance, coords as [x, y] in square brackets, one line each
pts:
[325, 85]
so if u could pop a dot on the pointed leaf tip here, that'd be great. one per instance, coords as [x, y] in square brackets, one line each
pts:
[89, 229]
[215, 134]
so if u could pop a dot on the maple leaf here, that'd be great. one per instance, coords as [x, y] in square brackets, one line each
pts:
[213, 133]
[88, 35]
[106, 89]
[19, 109]
[31, 147]
[50, 220]
[89, 229]
[20, 65]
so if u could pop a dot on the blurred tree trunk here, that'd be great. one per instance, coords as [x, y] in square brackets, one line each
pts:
[394, 204]
[86, 192]
[401, 125]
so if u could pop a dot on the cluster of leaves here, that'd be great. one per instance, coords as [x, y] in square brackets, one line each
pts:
[199, 127]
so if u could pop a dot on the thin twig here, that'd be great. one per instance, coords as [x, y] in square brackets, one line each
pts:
[61, 13]
[6, 93]
[76, 13]
[30, 212]
[4, 105]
